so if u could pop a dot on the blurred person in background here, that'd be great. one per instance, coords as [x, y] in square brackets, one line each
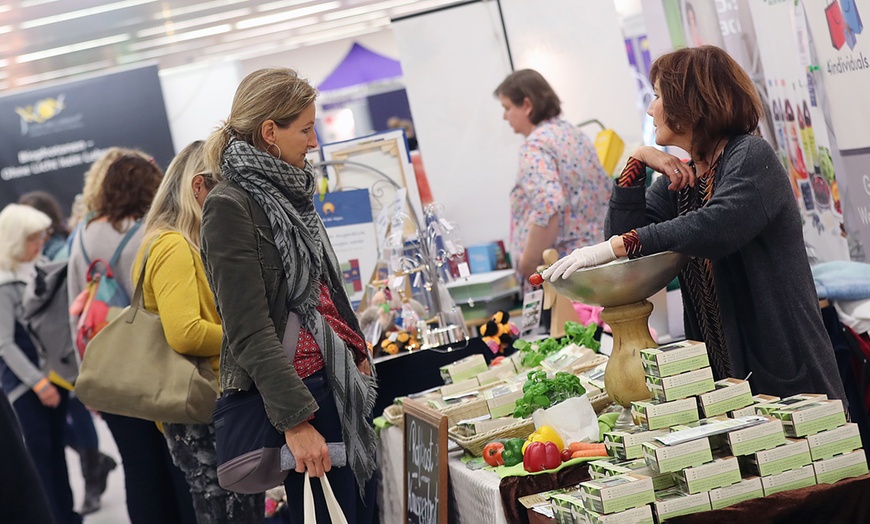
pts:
[39, 404]
[175, 288]
[156, 489]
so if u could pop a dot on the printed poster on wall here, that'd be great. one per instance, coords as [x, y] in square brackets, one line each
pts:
[799, 126]
[347, 216]
[843, 52]
[51, 135]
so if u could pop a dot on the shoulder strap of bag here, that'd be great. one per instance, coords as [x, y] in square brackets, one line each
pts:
[138, 301]
[120, 249]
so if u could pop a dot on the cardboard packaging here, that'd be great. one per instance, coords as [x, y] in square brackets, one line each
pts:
[810, 418]
[617, 493]
[501, 400]
[657, 415]
[640, 515]
[794, 454]
[766, 435]
[673, 503]
[837, 441]
[730, 394]
[674, 359]
[684, 385]
[788, 480]
[627, 444]
[750, 409]
[501, 371]
[744, 490]
[463, 369]
[613, 467]
[664, 459]
[794, 400]
[698, 479]
[831, 470]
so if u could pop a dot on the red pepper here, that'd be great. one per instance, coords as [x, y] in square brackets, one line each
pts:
[540, 456]
[492, 454]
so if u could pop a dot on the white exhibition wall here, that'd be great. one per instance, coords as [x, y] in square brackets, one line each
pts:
[452, 60]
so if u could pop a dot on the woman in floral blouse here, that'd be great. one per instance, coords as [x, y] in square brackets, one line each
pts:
[561, 193]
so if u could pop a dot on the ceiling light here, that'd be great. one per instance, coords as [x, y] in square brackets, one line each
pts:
[268, 30]
[343, 23]
[243, 52]
[5, 29]
[180, 11]
[170, 27]
[418, 7]
[60, 73]
[4, 63]
[280, 17]
[5, 7]
[368, 8]
[181, 37]
[33, 3]
[334, 34]
[57, 51]
[72, 15]
[282, 4]
[161, 51]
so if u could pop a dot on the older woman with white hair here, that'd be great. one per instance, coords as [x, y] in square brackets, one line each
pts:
[39, 405]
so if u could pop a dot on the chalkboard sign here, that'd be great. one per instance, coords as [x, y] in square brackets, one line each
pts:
[425, 445]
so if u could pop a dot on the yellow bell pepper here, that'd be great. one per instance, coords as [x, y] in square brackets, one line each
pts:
[545, 434]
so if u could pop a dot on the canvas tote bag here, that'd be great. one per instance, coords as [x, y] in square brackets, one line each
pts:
[129, 369]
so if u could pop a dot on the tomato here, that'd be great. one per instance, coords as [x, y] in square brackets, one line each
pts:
[566, 454]
[536, 279]
[492, 454]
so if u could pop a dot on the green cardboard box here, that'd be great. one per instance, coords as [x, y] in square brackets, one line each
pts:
[832, 442]
[810, 418]
[750, 409]
[674, 359]
[684, 385]
[617, 493]
[831, 470]
[463, 369]
[672, 503]
[747, 441]
[664, 459]
[613, 467]
[788, 480]
[656, 415]
[627, 444]
[730, 394]
[639, 515]
[767, 408]
[502, 400]
[744, 490]
[794, 454]
[698, 479]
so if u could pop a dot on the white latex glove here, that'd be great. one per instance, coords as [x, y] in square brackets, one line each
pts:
[587, 256]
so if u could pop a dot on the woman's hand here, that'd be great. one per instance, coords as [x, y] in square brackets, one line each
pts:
[49, 396]
[365, 367]
[309, 449]
[587, 256]
[680, 174]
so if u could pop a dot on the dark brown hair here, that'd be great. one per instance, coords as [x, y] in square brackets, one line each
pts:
[528, 83]
[46, 203]
[128, 189]
[704, 90]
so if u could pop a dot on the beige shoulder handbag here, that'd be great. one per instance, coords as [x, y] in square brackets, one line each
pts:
[129, 369]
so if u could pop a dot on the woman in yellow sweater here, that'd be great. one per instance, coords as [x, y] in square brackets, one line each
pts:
[176, 288]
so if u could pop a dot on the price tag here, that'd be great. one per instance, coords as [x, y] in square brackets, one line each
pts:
[532, 303]
[463, 269]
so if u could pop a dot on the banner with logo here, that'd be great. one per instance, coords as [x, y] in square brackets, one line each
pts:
[51, 135]
[843, 54]
[799, 125]
[347, 216]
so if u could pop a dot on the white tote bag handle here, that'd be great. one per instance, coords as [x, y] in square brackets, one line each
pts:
[335, 513]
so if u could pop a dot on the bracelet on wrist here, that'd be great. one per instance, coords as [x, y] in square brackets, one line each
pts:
[41, 385]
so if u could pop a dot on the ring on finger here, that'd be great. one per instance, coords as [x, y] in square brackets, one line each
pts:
[677, 170]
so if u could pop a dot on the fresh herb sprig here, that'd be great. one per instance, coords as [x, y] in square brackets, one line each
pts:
[541, 392]
[532, 354]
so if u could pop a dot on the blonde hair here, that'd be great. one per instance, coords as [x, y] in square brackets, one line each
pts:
[175, 207]
[277, 94]
[17, 222]
[94, 177]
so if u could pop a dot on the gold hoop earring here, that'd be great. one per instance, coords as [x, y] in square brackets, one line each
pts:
[278, 156]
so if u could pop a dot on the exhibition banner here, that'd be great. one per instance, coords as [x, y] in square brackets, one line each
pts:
[799, 126]
[347, 216]
[843, 60]
[53, 134]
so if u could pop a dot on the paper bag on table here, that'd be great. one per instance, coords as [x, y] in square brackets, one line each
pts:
[574, 419]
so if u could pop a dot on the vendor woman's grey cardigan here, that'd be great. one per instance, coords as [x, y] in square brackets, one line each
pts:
[751, 231]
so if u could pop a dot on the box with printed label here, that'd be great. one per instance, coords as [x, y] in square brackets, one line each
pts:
[563, 502]
[730, 394]
[744, 490]
[750, 409]
[826, 444]
[656, 415]
[607, 468]
[673, 503]
[684, 385]
[675, 358]
[698, 479]
[788, 480]
[807, 419]
[664, 459]
[617, 493]
[767, 408]
[714, 428]
[483, 425]
[627, 444]
[612, 467]
[498, 372]
[831, 470]
[747, 441]
[458, 388]
[794, 454]
[501, 400]
[463, 369]
[640, 515]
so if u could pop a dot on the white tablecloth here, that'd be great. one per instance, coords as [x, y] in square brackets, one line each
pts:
[474, 495]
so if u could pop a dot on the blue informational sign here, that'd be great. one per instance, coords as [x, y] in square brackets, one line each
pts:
[51, 135]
